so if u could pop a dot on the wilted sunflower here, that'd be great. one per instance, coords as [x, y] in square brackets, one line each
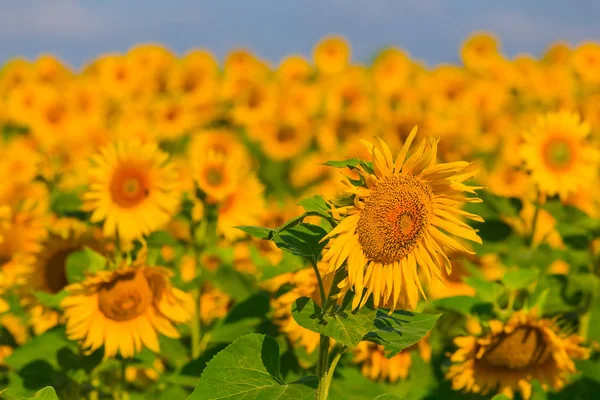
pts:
[402, 216]
[133, 189]
[124, 309]
[375, 365]
[556, 152]
[511, 355]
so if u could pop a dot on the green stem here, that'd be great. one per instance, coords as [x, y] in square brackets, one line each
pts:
[322, 367]
[195, 325]
[534, 222]
[321, 286]
[331, 369]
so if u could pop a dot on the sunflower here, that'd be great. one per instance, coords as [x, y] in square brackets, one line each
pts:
[214, 304]
[558, 156]
[48, 272]
[243, 207]
[284, 139]
[220, 141]
[124, 309]
[480, 51]
[294, 68]
[401, 218]
[586, 60]
[375, 365]
[512, 354]
[215, 175]
[132, 189]
[332, 55]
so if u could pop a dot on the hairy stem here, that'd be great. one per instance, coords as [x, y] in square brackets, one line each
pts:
[322, 368]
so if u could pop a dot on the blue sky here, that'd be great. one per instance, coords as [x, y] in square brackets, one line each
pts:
[431, 30]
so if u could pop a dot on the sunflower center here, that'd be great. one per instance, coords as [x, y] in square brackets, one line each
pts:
[558, 154]
[522, 348]
[129, 186]
[214, 176]
[126, 297]
[395, 218]
[55, 271]
[286, 133]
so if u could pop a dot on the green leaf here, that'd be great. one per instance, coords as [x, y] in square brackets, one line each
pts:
[485, 290]
[520, 279]
[350, 163]
[44, 347]
[83, 262]
[388, 396]
[345, 327]
[257, 231]
[302, 240]
[47, 393]
[400, 330]
[243, 318]
[493, 230]
[460, 304]
[315, 204]
[501, 396]
[248, 369]
[65, 203]
[51, 300]
[236, 284]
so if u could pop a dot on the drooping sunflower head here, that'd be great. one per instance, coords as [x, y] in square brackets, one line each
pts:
[133, 189]
[124, 309]
[403, 214]
[556, 152]
[512, 354]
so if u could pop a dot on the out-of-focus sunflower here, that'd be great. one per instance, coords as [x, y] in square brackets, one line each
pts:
[124, 309]
[509, 181]
[243, 207]
[294, 68]
[480, 51]
[375, 366]
[402, 217]
[586, 61]
[132, 189]
[215, 175]
[118, 76]
[48, 273]
[558, 53]
[220, 141]
[391, 70]
[284, 139]
[512, 354]
[214, 304]
[172, 119]
[545, 231]
[15, 73]
[332, 55]
[556, 153]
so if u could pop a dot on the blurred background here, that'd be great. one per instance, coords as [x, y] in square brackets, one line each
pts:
[430, 30]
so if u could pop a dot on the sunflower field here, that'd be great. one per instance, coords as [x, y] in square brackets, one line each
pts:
[172, 227]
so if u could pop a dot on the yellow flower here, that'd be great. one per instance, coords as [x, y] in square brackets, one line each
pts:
[480, 51]
[391, 70]
[401, 218]
[215, 175]
[512, 354]
[556, 153]
[332, 55]
[586, 60]
[545, 231]
[243, 207]
[47, 272]
[132, 189]
[172, 118]
[558, 53]
[284, 139]
[118, 76]
[50, 70]
[196, 76]
[214, 304]
[375, 366]
[221, 141]
[294, 68]
[124, 309]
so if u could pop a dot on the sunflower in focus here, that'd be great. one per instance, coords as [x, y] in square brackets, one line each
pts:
[332, 55]
[512, 354]
[402, 217]
[558, 156]
[132, 189]
[124, 309]
[376, 366]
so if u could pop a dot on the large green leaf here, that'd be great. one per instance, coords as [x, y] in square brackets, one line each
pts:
[249, 369]
[47, 393]
[350, 163]
[243, 318]
[83, 262]
[257, 231]
[520, 279]
[346, 327]
[302, 240]
[315, 204]
[400, 330]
